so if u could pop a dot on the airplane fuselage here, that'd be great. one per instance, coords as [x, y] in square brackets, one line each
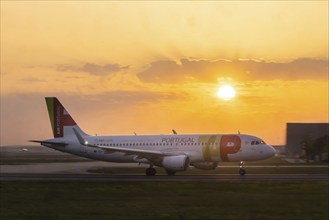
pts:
[199, 148]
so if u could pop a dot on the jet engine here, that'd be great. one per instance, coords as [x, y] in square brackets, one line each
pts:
[205, 165]
[176, 163]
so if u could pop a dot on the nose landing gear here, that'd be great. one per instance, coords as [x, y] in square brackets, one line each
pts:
[242, 171]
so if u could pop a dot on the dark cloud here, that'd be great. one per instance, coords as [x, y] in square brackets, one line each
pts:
[209, 71]
[305, 68]
[172, 72]
[93, 69]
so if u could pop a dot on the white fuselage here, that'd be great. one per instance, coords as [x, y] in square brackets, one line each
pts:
[199, 148]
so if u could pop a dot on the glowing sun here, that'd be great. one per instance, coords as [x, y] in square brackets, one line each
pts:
[226, 92]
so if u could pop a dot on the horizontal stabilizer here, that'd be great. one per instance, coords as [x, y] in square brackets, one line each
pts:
[50, 143]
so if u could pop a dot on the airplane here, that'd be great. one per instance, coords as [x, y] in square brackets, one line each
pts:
[173, 152]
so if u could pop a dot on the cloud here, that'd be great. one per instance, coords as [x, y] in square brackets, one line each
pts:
[32, 80]
[209, 71]
[130, 98]
[304, 68]
[172, 72]
[92, 68]
[28, 110]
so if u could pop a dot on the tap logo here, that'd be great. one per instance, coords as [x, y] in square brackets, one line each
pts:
[229, 144]
[59, 117]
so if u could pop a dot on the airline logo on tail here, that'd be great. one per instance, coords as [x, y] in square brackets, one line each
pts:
[59, 117]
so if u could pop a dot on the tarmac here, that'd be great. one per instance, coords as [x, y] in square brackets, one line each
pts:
[78, 171]
[251, 178]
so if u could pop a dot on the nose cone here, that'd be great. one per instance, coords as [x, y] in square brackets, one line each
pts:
[270, 151]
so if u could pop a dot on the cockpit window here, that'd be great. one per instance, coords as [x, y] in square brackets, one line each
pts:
[257, 142]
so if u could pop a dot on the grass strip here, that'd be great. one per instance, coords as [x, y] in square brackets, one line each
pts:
[163, 200]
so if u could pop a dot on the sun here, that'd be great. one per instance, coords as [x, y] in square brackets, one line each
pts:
[226, 92]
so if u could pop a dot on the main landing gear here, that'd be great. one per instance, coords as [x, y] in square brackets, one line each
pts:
[242, 171]
[150, 171]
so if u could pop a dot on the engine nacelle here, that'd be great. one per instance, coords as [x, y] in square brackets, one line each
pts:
[205, 165]
[176, 163]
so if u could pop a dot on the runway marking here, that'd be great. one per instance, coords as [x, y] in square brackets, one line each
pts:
[164, 178]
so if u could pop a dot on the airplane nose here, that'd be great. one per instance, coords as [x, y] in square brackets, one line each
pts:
[270, 151]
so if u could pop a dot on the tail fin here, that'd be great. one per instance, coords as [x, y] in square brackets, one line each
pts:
[61, 121]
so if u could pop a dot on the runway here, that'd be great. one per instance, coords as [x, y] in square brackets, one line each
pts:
[70, 170]
[251, 178]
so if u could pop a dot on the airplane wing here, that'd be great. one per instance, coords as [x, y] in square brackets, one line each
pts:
[147, 154]
[150, 155]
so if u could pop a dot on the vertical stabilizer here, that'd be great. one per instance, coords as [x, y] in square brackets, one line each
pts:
[62, 123]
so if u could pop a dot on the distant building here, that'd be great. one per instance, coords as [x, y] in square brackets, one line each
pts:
[280, 149]
[297, 133]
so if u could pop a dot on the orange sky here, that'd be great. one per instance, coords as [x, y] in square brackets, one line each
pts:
[149, 67]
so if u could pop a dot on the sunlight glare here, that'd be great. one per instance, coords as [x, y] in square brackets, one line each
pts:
[226, 92]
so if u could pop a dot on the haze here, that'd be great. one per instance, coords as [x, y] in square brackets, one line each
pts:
[149, 67]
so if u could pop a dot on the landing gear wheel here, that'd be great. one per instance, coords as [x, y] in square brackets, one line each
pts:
[150, 171]
[171, 172]
[242, 171]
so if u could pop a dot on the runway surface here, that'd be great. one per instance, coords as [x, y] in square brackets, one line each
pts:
[85, 170]
[253, 178]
